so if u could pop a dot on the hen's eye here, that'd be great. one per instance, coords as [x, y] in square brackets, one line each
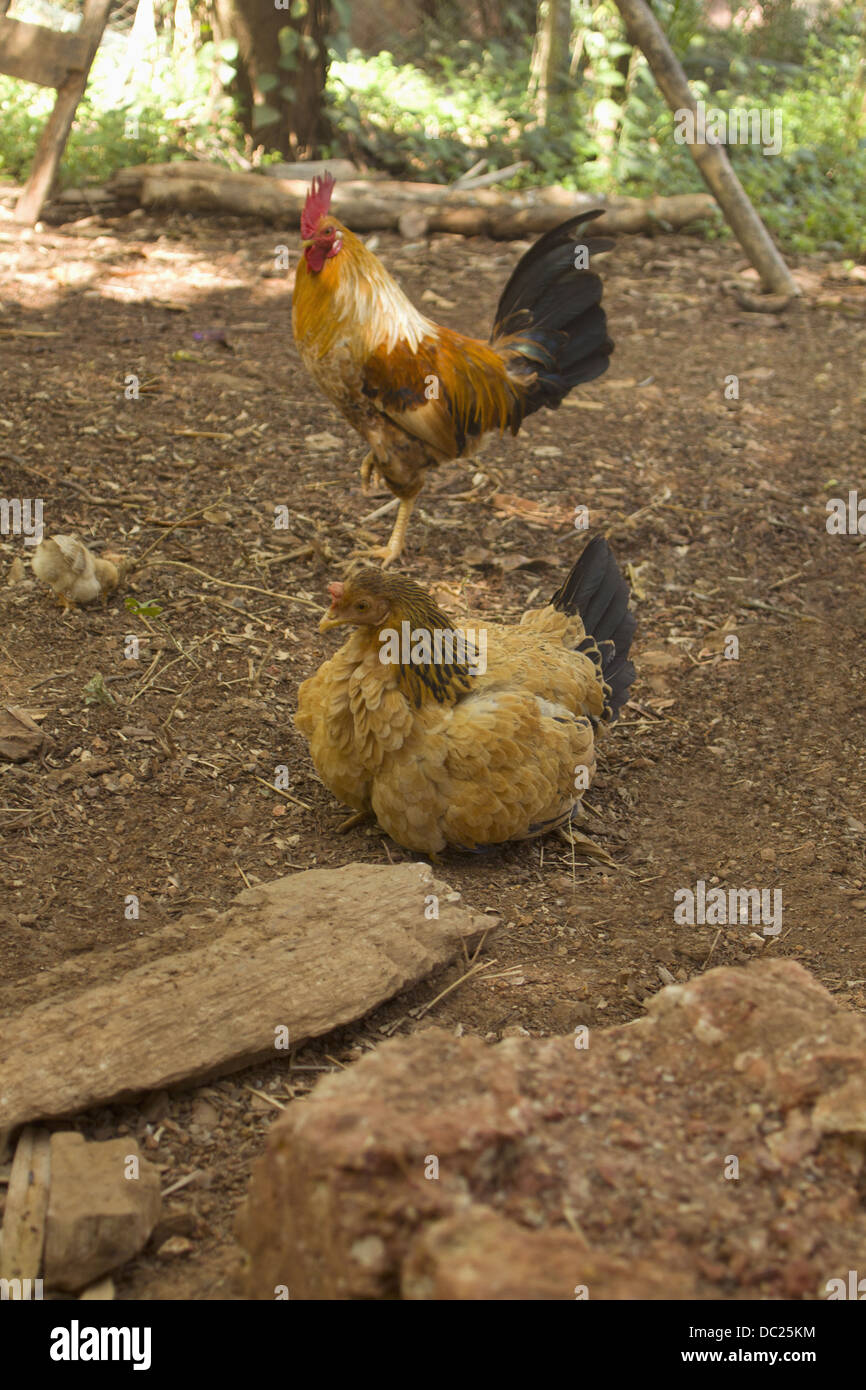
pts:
[363, 605]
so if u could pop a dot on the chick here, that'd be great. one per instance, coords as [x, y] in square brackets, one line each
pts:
[74, 573]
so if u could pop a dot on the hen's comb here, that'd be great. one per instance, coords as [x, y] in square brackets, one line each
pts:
[317, 204]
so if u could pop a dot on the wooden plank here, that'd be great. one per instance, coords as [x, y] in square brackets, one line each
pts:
[26, 1207]
[56, 132]
[307, 954]
[37, 54]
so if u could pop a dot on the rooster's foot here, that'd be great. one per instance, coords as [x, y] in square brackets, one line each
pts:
[386, 553]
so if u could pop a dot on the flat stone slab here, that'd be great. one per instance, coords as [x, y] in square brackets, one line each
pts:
[289, 960]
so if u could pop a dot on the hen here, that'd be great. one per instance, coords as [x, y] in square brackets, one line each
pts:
[419, 393]
[488, 736]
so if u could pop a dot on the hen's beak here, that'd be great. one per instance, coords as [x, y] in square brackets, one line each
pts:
[331, 619]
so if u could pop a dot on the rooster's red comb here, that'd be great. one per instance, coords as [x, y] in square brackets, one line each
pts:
[317, 204]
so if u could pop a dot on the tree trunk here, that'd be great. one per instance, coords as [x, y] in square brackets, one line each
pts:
[280, 81]
[548, 83]
[643, 30]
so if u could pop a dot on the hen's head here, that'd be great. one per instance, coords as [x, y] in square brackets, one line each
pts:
[322, 234]
[372, 598]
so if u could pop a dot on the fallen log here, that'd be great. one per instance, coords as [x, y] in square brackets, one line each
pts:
[287, 961]
[414, 209]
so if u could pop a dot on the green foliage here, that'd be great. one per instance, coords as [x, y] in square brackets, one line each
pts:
[149, 609]
[458, 102]
[166, 109]
[810, 193]
[96, 692]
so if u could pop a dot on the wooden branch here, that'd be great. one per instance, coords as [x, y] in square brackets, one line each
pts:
[56, 132]
[495, 176]
[415, 209]
[644, 30]
[35, 53]
[26, 1207]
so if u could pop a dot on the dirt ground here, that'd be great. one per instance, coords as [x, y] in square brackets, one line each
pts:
[747, 772]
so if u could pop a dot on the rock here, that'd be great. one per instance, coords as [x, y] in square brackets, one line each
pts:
[843, 1111]
[483, 1256]
[98, 1218]
[20, 736]
[714, 1144]
[204, 1114]
[175, 1245]
[101, 1291]
[288, 960]
[173, 1223]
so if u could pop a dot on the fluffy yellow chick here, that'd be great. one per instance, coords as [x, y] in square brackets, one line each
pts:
[74, 573]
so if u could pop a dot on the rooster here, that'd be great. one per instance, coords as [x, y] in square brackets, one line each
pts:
[420, 394]
[447, 750]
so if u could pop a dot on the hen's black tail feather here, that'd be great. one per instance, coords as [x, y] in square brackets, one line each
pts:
[597, 591]
[549, 321]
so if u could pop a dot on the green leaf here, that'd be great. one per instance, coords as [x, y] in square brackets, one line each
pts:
[96, 692]
[142, 610]
[267, 82]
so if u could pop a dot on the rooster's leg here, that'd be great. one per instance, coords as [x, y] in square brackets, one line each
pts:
[394, 549]
[367, 469]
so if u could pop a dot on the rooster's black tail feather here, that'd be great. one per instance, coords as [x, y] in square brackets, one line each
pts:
[549, 322]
